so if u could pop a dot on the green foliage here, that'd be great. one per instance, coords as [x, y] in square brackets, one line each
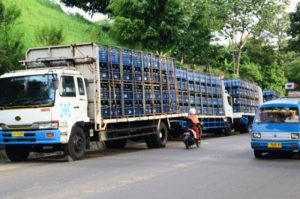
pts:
[200, 21]
[274, 78]
[153, 25]
[49, 35]
[293, 71]
[37, 13]
[294, 30]
[11, 49]
[259, 52]
[243, 18]
[50, 4]
[251, 72]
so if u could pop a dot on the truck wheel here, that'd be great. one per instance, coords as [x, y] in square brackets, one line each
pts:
[75, 149]
[17, 153]
[245, 129]
[159, 139]
[116, 144]
[257, 154]
[228, 130]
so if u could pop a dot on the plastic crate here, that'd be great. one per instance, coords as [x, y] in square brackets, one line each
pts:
[190, 76]
[156, 77]
[146, 61]
[163, 64]
[154, 62]
[114, 56]
[137, 59]
[103, 54]
[138, 75]
[126, 57]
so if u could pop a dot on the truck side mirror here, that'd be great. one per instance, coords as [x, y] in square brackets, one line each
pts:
[86, 81]
[55, 83]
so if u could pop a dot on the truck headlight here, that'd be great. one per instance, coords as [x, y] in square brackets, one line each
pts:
[256, 135]
[295, 135]
[47, 125]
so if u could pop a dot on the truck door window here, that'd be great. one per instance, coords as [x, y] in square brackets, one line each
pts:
[80, 86]
[229, 100]
[68, 87]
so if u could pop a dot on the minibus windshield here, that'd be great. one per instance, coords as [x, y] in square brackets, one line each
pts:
[277, 115]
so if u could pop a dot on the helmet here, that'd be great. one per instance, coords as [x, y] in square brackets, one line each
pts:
[192, 111]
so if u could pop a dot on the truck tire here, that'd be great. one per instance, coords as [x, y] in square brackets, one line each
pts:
[116, 144]
[245, 129]
[17, 153]
[159, 139]
[257, 154]
[75, 149]
[228, 130]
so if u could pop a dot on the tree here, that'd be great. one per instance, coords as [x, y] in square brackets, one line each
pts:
[92, 6]
[274, 78]
[294, 30]
[243, 18]
[293, 71]
[200, 21]
[251, 72]
[259, 52]
[49, 35]
[11, 47]
[154, 24]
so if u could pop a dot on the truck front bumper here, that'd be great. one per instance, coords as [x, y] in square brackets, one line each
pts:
[276, 145]
[47, 136]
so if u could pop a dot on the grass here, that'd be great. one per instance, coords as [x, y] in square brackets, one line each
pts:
[39, 13]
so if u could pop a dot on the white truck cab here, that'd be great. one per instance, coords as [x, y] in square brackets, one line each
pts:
[41, 106]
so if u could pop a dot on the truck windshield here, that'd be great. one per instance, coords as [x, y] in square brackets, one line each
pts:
[37, 90]
[277, 115]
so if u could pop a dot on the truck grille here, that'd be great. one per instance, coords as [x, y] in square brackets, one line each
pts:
[28, 137]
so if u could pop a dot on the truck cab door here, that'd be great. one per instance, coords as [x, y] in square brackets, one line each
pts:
[81, 98]
[227, 100]
[73, 102]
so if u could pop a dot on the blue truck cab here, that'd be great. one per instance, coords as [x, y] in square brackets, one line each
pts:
[276, 127]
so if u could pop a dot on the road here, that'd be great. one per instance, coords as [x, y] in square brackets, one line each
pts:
[223, 167]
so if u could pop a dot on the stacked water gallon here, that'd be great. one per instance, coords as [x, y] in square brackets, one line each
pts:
[134, 83]
[200, 91]
[270, 95]
[245, 95]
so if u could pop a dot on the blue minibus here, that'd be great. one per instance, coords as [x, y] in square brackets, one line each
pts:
[276, 127]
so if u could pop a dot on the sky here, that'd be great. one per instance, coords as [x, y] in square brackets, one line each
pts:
[292, 6]
[94, 18]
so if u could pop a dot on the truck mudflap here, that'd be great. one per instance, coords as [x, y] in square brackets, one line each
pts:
[275, 145]
[48, 136]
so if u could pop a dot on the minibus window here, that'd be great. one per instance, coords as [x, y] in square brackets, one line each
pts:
[277, 115]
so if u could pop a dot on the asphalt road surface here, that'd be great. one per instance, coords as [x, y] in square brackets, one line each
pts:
[223, 167]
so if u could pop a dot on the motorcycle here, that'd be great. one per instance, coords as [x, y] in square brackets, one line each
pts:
[189, 138]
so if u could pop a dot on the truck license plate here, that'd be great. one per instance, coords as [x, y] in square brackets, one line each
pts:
[274, 145]
[17, 134]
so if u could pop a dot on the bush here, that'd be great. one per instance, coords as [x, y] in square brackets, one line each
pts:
[49, 35]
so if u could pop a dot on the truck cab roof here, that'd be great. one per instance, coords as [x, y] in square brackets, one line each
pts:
[39, 71]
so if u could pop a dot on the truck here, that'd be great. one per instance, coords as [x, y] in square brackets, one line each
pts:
[71, 95]
[246, 97]
[269, 94]
[222, 105]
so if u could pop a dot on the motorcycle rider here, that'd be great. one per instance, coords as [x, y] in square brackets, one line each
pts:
[194, 123]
